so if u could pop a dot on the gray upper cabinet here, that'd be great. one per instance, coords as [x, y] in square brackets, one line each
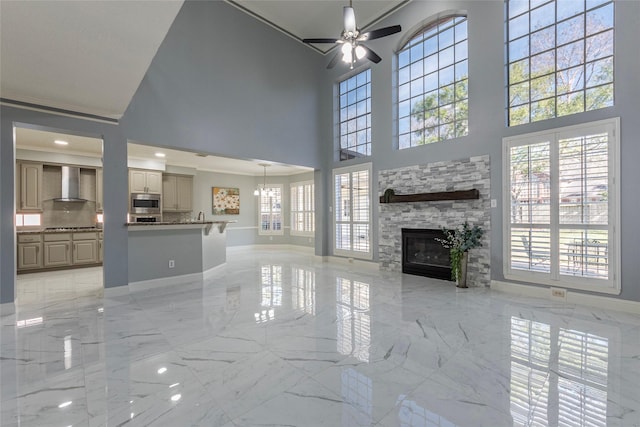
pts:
[99, 191]
[177, 193]
[29, 188]
[144, 181]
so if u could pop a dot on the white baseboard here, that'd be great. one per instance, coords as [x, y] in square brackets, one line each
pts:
[210, 272]
[144, 285]
[369, 265]
[572, 297]
[116, 291]
[283, 246]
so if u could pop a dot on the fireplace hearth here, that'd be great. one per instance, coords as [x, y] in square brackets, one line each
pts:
[422, 255]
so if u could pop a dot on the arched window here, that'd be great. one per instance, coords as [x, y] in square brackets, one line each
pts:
[433, 84]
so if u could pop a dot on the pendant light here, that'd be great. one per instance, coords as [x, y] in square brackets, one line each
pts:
[264, 182]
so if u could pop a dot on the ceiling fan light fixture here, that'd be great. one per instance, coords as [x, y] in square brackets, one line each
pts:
[350, 39]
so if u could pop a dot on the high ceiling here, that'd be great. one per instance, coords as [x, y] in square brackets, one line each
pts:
[82, 56]
[89, 57]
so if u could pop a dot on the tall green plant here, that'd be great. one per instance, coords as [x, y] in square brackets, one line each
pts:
[458, 241]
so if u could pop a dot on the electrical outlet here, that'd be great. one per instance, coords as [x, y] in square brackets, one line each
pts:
[559, 293]
[270, 237]
[494, 203]
[172, 263]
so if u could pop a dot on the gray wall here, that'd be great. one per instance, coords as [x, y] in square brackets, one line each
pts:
[245, 230]
[487, 115]
[224, 83]
[115, 190]
[150, 252]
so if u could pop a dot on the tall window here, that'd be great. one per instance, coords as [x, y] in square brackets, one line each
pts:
[303, 216]
[355, 116]
[433, 85]
[563, 207]
[352, 213]
[270, 210]
[560, 58]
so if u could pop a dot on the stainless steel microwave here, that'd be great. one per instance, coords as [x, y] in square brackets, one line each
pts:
[146, 203]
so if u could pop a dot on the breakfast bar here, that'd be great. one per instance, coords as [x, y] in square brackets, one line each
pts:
[186, 250]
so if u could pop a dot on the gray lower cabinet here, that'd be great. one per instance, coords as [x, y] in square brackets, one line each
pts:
[85, 248]
[100, 247]
[29, 251]
[57, 249]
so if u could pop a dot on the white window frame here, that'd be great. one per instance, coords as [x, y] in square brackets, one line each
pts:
[350, 170]
[554, 278]
[350, 151]
[309, 226]
[412, 77]
[553, 48]
[271, 232]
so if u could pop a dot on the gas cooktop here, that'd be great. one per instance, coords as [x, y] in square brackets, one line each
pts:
[69, 228]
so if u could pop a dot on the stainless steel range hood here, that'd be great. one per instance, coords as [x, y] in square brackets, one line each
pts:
[70, 185]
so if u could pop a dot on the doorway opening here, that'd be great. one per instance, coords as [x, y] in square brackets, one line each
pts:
[59, 215]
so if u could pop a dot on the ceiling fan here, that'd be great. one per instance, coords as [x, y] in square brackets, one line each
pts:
[351, 40]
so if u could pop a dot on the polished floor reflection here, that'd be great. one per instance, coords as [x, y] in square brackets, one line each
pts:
[277, 337]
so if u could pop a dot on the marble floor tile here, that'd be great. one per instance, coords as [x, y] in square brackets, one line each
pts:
[279, 337]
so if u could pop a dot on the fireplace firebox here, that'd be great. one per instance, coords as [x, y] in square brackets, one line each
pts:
[422, 255]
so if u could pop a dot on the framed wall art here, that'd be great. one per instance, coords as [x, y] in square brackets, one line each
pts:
[226, 201]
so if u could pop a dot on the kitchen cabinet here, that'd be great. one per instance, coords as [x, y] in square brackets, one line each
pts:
[29, 251]
[100, 247]
[144, 181]
[29, 190]
[99, 191]
[177, 193]
[57, 249]
[85, 248]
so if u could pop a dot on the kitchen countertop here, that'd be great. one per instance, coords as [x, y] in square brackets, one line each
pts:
[139, 226]
[60, 230]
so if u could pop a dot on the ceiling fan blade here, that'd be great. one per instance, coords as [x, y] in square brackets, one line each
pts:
[349, 20]
[382, 32]
[371, 55]
[319, 40]
[334, 60]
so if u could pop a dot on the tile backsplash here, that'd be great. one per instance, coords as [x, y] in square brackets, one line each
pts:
[68, 214]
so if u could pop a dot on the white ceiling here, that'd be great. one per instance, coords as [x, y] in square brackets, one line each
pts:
[82, 56]
[90, 57]
[37, 140]
[303, 19]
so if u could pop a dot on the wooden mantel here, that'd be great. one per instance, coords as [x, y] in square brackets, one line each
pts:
[390, 197]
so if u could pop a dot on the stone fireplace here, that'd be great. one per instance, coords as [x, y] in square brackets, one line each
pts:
[455, 175]
[423, 255]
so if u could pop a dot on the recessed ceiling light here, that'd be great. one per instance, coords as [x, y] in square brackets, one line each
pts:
[176, 397]
[60, 142]
[160, 155]
[65, 404]
[162, 370]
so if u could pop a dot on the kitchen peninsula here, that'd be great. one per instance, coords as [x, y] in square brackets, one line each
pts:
[163, 250]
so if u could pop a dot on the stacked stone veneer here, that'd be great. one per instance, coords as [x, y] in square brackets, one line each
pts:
[464, 174]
